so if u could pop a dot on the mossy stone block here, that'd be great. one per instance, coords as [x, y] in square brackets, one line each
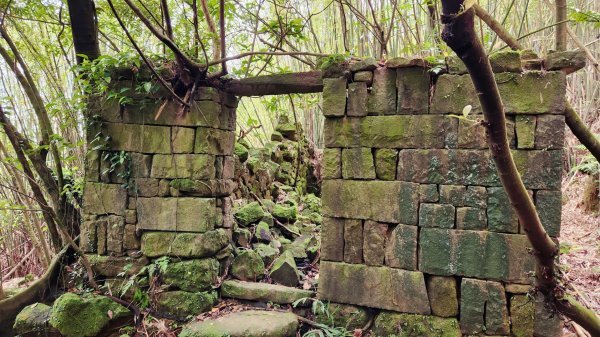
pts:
[182, 139]
[249, 213]
[191, 166]
[525, 127]
[436, 215]
[443, 296]
[500, 213]
[522, 315]
[413, 90]
[357, 99]
[357, 163]
[401, 247]
[192, 275]
[382, 98]
[374, 237]
[247, 266]
[386, 161]
[332, 239]
[453, 194]
[332, 163]
[407, 325]
[471, 218]
[214, 141]
[263, 292]
[334, 96]
[550, 132]
[183, 304]
[353, 241]
[506, 61]
[549, 206]
[429, 193]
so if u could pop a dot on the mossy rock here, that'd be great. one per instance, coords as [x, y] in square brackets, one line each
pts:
[249, 213]
[263, 292]
[285, 213]
[247, 266]
[33, 321]
[192, 275]
[268, 253]
[182, 304]
[285, 271]
[345, 316]
[87, 315]
[241, 152]
[253, 323]
[408, 325]
[263, 232]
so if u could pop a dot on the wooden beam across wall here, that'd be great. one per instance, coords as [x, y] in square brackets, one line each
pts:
[278, 84]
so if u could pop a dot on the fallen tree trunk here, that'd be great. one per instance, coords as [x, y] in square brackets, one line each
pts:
[278, 84]
[459, 33]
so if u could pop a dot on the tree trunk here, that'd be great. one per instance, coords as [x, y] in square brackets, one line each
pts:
[84, 28]
[459, 34]
[561, 28]
[590, 200]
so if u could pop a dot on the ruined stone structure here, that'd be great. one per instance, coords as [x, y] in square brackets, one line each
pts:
[416, 218]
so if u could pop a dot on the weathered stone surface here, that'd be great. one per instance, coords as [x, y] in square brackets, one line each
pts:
[130, 239]
[374, 242]
[353, 241]
[545, 93]
[334, 96]
[182, 140]
[550, 132]
[404, 62]
[203, 188]
[367, 64]
[472, 133]
[547, 319]
[101, 198]
[436, 215]
[540, 169]
[183, 304]
[138, 138]
[525, 129]
[386, 161]
[332, 239]
[285, 213]
[249, 213]
[385, 201]
[88, 236]
[115, 226]
[476, 196]
[247, 266]
[347, 316]
[503, 257]
[191, 166]
[515, 288]
[82, 316]
[382, 98]
[455, 65]
[404, 131]
[263, 292]
[471, 218]
[202, 113]
[375, 287]
[401, 247]
[214, 141]
[332, 164]
[364, 76]
[33, 321]
[92, 165]
[357, 99]
[268, 253]
[111, 266]
[358, 163]
[413, 90]
[453, 194]
[429, 193]
[253, 323]
[144, 187]
[191, 275]
[407, 325]
[500, 213]
[483, 308]
[155, 244]
[522, 316]
[569, 61]
[284, 270]
[180, 214]
[506, 61]
[549, 206]
[443, 296]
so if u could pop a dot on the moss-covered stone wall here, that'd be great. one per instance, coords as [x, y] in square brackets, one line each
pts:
[416, 219]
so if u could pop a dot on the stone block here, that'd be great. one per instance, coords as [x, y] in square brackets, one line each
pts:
[404, 62]
[382, 98]
[191, 166]
[191, 245]
[436, 215]
[471, 218]
[508, 258]
[569, 61]
[115, 227]
[178, 214]
[390, 323]
[401, 247]
[476, 196]
[549, 207]
[357, 99]
[92, 165]
[228, 167]
[334, 96]
[357, 163]
[386, 161]
[203, 188]
[525, 127]
[550, 132]
[332, 239]
[456, 66]
[144, 187]
[332, 164]
[182, 140]
[364, 76]
[547, 320]
[227, 118]
[483, 308]
[101, 198]
[164, 188]
[201, 113]
[436, 252]
[506, 61]
[374, 235]
[472, 134]
[191, 275]
[545, 90]
[443, 296]
[500, 213]
[353, 241]
[101, 232]
[214, 141]
[375, 287]
[453, 194]
[88, 237]
[429, 193]
[138, 138]
[141, 165]
[111, 266]
[385, 201]
[522, 316]
[181, 305]
[366, 64]
[130, 238]
[540, 169]
[413, 90]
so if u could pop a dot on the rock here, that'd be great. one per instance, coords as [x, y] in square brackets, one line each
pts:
[525, 129]
[178, 214]
[550, 132]
[471, 218]
[346, 316]
[284, 270]
[266, 252]
[453, 194]
[191, 275]
[357, 99]
[101, 198]
[249, 213]
[549, 206]
[401, 247]
[203, 188]
[443, 296]
[382, 98]
[506, 61]
[87, 315]
[285, 213]
[500, 213]
[332, 239]
[33, 321]
[334, 96]
[436, 215]
[332, 164]
[569, 61]
[364, 76]
[522, 315]
[407, 325]
[182, 139]
[263, 232]
[456, 66]
[241, 152]
[353, 241]
[483, 308]
[366, 64]
[214, 141]
[242, 237]
[358, 164]
[111, 266]
[182, 304]
[413, 90]
[386, 161]
[247, 266]
[476, 196]
[252, 323]
[192, 245]
[374, 242]
[429, 193]
[263, 292]
[276, 136]
[137, 138]
[403, 62]
[192, 166]
[288, 130]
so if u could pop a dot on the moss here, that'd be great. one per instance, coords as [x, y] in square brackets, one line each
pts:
[241, 152]
[247, 266]
[508, 60]
[182, 184]
[80, 316]
[285, 213]
[182, 304]
[408, 325]
[192, 275]
[32, 318]
[250, 213]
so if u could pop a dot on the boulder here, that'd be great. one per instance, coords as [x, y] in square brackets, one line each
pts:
[192, 275]
[33, 321]
[182, 304]
[263, 232]
[263, 292]
[247, 266]
[268, 253]
[285, 213]
[249, 213]
[284, 270]
[252, 323]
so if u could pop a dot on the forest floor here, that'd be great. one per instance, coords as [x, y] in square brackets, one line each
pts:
[580, 246]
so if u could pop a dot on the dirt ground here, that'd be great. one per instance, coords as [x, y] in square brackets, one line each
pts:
[580, 247]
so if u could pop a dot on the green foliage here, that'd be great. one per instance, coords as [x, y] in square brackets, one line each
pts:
[585, 16]
[318, 307]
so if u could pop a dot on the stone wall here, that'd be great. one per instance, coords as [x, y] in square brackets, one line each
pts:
[415, 217]
[157, 184]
